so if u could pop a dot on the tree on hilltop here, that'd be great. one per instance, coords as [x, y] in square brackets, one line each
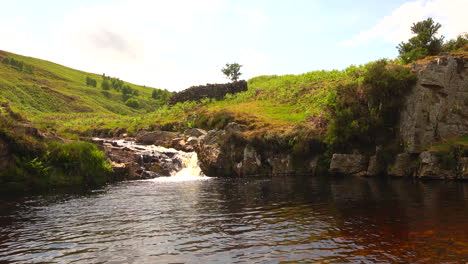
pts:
[232, 71]
[425, 43]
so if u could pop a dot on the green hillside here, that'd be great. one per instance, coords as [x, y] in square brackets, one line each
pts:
[49, 94]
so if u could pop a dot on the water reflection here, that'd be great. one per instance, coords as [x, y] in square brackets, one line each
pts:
[322, 220]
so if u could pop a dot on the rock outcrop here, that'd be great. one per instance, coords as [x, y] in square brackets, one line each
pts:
[436, 107]
[431, 167]
[402, 167]
[354, 164]
[224, 153]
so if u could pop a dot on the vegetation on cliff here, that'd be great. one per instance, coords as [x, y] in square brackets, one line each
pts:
[33, 161]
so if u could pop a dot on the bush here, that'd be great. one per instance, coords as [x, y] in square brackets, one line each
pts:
[365, 110]
[91, 82]
[133, 103]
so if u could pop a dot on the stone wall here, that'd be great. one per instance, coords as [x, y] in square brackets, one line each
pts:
[216, 91]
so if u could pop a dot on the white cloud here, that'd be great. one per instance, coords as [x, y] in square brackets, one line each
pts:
[396, 27]
[254, 15]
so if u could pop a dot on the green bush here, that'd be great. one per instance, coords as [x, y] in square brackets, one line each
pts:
[365, 109]
[133, 103]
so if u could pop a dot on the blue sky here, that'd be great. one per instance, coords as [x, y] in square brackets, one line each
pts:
[179, 43]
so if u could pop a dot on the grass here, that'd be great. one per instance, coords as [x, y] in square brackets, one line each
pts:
[54, 96]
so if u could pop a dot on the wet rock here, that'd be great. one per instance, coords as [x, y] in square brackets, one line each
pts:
[348, 164]
[431, 168]
[212, 158]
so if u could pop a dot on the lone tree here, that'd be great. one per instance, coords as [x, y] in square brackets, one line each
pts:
[425, 43]
[232, 71]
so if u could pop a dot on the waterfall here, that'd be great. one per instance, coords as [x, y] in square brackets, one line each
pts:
[190, 169]
[174, 165]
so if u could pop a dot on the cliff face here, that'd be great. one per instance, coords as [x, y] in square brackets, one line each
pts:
[434, 111]
[436, 108]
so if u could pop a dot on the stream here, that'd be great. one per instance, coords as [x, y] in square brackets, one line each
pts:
[187, 217]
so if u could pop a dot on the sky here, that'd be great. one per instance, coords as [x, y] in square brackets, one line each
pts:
[175, 44]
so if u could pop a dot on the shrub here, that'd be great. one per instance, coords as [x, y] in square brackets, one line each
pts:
[133, 103]
[365, 110]
[91, 82]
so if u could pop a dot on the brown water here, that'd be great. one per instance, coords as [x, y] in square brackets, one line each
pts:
[280, 220]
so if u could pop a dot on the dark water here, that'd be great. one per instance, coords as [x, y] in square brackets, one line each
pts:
[281, 220]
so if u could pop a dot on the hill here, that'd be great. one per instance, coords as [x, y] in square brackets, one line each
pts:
[50, 95]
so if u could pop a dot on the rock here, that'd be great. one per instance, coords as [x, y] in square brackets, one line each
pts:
[463, 168]
[402, 167]
[431, 168]
[194, 132]
[375, 168]
[434, 109]
[281, 164]
[211, 156]
[233, 127]
[159, 138]
[348, 164]
[251, 162]
[193, 141]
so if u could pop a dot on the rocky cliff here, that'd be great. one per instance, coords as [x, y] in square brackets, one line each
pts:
[434, 112]
[436, 108]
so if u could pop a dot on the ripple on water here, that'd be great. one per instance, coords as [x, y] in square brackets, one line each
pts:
[208, 220]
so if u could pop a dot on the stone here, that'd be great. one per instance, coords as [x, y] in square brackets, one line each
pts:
[212, 158]
[194, 132]
[374, 168]
[159, 138]
[348, 164]
[431, 168]
[434, 109]
[251, 162]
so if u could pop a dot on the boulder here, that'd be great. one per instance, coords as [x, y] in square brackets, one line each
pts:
[213, 159]
[159, 138]
[194, 132]
[431, 168]
[349, 164]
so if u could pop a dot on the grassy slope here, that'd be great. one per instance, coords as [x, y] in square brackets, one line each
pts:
[56, 97]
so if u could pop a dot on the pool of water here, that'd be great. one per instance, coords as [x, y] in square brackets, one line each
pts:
[212, 220]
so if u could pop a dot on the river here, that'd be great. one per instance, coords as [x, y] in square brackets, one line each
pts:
[196, 219]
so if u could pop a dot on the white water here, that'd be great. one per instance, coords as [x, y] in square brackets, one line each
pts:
[190, 170]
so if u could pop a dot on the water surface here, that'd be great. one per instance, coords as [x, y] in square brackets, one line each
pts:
[279, 220]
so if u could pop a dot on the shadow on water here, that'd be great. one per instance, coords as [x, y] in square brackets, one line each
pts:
[250, 220]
